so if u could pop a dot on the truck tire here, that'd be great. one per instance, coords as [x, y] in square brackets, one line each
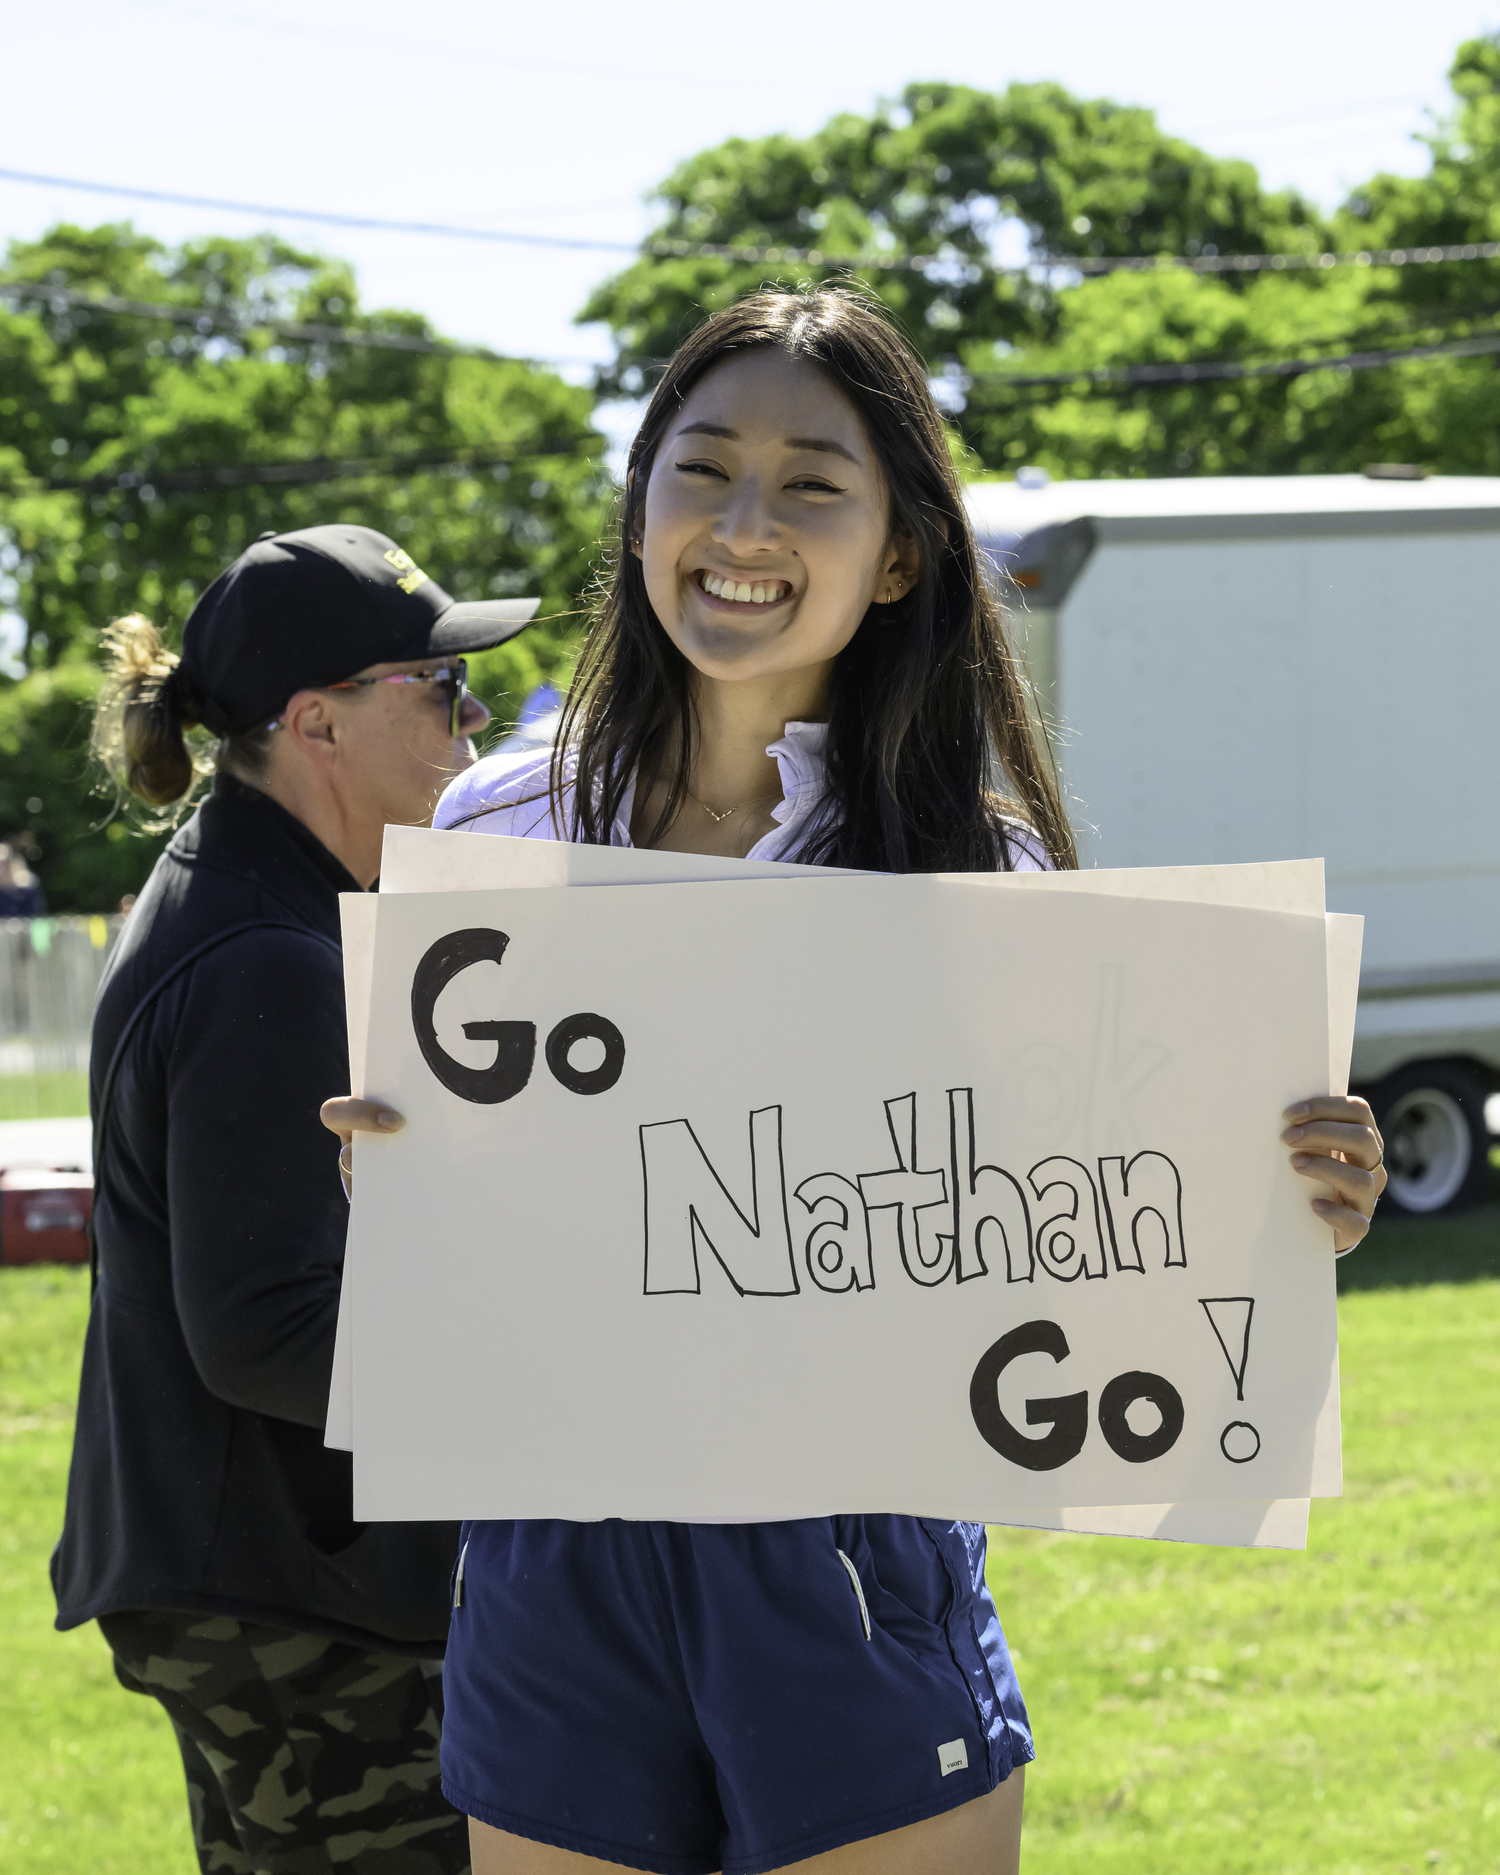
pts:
[1431, 1117]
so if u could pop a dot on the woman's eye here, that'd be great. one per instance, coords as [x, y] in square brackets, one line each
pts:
[816, 486]
[701, 468]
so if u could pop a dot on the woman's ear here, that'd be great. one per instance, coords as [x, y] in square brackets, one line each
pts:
[898, 574]
[307, 722]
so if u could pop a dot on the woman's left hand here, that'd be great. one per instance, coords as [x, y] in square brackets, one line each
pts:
[1335, 1140]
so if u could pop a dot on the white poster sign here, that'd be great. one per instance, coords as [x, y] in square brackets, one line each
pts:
[422, 860]
[906, 1195]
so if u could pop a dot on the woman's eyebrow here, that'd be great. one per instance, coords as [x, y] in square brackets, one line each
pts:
[825, 445]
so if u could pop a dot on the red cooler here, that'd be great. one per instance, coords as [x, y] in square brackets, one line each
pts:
[44, 1216]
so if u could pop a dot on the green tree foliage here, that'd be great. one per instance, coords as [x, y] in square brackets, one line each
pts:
[1450, 412]
[1458, 200]
[965, 175]
[1318, 422]
[1441, 413]
[89, 859]
[943, 173]
[87, 396]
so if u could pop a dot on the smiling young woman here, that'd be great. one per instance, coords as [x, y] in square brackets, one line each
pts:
[797, 658]
[768, 545]
[793, 440]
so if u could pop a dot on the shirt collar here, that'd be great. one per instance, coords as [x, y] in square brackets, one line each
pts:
[229, 790]
[799, 757]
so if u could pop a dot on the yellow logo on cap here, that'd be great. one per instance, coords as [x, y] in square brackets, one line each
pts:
[405, 565]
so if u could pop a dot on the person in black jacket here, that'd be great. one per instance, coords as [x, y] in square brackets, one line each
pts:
[208, 1529]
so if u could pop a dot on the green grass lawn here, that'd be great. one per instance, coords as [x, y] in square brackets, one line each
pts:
[43, 1096]
[89, 1775]
[1207, 1710]
[1196, 1710]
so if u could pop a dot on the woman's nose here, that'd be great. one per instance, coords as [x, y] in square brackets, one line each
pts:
[746, 522]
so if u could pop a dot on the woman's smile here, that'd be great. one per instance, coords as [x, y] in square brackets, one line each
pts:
[738, 592]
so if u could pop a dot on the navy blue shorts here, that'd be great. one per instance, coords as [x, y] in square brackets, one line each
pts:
[692, 1697]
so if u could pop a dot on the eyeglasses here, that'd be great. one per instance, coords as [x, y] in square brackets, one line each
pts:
[455, 675]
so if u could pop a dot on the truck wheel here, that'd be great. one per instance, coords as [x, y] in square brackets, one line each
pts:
[1436, 1141]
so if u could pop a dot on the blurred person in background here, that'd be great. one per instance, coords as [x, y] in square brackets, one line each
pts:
[208, 1529]
[21, 894]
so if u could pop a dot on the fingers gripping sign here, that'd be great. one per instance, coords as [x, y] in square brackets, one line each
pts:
[1335, 1141]
[347, 1116]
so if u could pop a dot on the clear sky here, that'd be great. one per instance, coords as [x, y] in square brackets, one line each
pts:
[559, 118]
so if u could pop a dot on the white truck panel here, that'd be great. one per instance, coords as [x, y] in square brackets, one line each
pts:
[1234, 700]
[1259, 668]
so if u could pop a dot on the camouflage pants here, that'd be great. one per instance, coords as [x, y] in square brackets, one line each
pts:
[303, 1755]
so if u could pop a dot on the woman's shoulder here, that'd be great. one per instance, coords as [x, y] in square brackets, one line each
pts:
[503, 793]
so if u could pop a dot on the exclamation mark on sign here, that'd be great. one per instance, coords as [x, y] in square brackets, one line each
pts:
[1229, 1317]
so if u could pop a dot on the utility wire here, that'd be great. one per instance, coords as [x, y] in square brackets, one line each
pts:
[370, 223]
[1087, 264]
[427, 46]
[1198, 370]
[306, 471]
[1435, 328]
[311, 471]
[149, 483]
[1090, 265]
[205, 322]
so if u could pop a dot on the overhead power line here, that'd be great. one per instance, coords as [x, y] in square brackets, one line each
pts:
[776, 255]
[327, 219]
[1090, 265]
[1203, 370]
[309, 471]
[151, 482]
[205, 321]
[306, 471]
[428, 46]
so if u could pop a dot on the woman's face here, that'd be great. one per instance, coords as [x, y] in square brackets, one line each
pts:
[766, 534]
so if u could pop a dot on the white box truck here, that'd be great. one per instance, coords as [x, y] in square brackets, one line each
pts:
[1268, 667]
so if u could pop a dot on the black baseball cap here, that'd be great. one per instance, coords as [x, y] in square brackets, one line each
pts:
[296, 611]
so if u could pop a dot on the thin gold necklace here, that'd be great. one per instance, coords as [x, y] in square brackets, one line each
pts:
[717, 816]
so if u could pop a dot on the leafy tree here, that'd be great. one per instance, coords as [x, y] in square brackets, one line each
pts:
[1450, 412]
[1457, 201]
[88, 859]
[510, 502]
[1318, 422]
[1439, 413]
[943, 173]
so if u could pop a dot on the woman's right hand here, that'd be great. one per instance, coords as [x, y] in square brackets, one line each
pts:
[347, 1116]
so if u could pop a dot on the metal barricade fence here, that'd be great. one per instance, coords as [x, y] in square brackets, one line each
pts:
[50, 970]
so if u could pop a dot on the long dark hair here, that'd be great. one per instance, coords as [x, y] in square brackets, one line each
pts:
[930, 746]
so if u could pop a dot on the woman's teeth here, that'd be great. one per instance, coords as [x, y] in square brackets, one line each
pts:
[743, 592]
